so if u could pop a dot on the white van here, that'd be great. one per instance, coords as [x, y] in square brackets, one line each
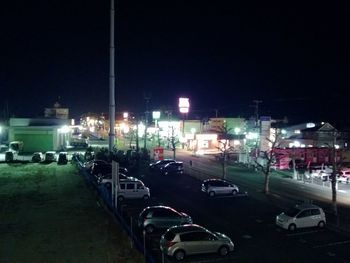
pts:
[132, 189]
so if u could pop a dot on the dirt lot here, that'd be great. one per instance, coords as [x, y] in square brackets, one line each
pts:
[48, 214]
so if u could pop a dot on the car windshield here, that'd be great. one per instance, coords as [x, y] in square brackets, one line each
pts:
[292, 212]
[169, 236]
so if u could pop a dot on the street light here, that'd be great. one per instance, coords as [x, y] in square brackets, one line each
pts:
[125, 115]
[156, 116]
[184, 106]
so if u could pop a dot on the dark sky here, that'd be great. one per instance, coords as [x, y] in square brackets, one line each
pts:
[221, 54]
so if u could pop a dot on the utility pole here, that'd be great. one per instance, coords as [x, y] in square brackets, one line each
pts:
[256, 112]
[137, 135]
[111, 83]
[257, 126]
[147, 99]
[334, 175]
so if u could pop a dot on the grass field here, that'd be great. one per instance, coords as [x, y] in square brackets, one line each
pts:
[48, 214]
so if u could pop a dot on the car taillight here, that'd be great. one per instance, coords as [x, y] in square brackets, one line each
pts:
[170, 243]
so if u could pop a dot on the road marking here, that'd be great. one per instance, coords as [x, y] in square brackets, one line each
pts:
[342, 191]
[331, 254]
[304, 233]
[258, 221]
[333, 244]
[247, 236]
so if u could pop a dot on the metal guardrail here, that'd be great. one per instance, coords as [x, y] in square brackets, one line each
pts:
[106, 197]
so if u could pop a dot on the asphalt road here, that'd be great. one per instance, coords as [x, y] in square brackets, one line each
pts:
[285, 187]
[248, 220]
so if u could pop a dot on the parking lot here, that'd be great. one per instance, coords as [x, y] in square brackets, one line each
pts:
[48, 214]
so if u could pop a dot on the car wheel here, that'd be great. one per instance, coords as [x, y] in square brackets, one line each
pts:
[292, 227]
[234, 192]
[179, 255]
[120, 198]
[149, 229]
[145, 197]
[321, 224]
[211, 193]
[223, 251]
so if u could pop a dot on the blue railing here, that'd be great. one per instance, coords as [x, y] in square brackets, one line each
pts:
[106, 196]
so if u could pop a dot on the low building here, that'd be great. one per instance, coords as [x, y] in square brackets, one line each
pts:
[40, 134]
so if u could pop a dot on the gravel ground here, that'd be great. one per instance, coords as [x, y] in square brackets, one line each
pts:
[48, 214]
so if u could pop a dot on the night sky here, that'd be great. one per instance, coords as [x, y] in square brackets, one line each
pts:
[221, 54]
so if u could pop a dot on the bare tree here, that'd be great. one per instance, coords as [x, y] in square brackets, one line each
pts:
[269, 158]
[173, 140]
[225, 148]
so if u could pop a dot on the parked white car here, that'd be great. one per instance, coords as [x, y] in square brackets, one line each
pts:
[344, 176]
[322, 173]
[306, 215]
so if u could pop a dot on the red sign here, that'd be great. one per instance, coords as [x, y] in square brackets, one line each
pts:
[158, 153]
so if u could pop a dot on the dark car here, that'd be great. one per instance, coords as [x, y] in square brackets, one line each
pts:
[107, 178]
[100, 167]
[161, 217]
[299, 164]
[37, 157]
[159, 164]
[62, 158]
[172, 168]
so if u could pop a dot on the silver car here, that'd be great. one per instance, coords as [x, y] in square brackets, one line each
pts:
[157, 217]
[181, 241]
[214, 187]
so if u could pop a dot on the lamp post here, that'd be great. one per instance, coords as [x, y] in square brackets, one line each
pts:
[156, 116]
[184, 106]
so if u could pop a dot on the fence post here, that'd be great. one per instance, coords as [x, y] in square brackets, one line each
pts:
[132, 233]
[144, 244]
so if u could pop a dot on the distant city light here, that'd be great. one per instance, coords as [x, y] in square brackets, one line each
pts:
[141, 129]
[296, 144]
[156, 115]
[252, 135]
[193, 130]
[297, 131]
[64, 129]
[310, 125]
[184, 105]
[237, 130]
[125, 115]
[125, 127]
[236, 142]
